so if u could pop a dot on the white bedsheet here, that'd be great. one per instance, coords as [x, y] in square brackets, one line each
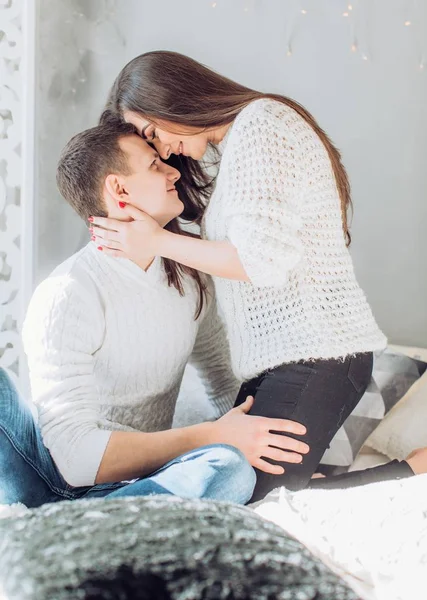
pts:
[374, 536]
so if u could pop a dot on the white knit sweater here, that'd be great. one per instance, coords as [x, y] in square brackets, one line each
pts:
[107, 344]
[277, 202]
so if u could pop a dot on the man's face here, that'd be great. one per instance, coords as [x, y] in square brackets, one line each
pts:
[150, 185]
[191, 142]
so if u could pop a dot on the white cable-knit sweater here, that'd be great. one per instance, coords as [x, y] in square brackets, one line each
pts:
[107, 344]
[277, 202]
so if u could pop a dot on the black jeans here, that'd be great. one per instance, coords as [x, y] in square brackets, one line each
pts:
[320, 394]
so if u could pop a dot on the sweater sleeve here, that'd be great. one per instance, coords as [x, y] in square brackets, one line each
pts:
[63, 329]
[263, 188]
[211, 358]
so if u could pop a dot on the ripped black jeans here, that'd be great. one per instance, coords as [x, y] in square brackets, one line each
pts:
[320, 394]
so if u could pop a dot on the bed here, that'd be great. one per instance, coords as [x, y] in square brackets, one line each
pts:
[368, 542]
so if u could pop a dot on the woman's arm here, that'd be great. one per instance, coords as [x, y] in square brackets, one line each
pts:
[144, 237]
[265, 198]
[214, 258]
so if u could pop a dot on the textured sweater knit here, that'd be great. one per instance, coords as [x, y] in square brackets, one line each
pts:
[107, 344]
[277, 202]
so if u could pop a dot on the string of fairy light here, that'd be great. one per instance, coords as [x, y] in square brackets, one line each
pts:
[348, 12]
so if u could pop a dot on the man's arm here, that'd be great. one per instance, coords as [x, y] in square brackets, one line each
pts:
[131, 454]
[64, 327]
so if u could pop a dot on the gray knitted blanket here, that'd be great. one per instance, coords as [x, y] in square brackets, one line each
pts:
[156, 548]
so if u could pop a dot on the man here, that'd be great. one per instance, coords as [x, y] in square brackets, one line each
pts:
[107, 343]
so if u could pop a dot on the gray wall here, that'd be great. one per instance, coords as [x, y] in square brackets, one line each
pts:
[375, 110]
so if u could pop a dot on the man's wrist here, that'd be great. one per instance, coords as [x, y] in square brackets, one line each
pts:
[208, 433]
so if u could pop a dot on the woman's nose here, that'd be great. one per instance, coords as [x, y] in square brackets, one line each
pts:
[164, 150]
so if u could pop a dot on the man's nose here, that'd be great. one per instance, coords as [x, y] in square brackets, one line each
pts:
[173, 174]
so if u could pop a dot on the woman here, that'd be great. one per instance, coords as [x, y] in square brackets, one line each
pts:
[275, 239]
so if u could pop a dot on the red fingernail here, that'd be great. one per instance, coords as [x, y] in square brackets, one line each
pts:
[122, 204]
[90, 219]
[99, 247]
[91, 229]
[93, 238]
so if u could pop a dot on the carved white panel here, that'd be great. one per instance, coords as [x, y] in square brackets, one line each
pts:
[11, 90]
[50, 53]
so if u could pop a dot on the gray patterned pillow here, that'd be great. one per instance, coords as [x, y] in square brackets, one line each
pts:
[393, 374]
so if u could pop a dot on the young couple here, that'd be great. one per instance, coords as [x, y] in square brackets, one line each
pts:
[109, 333]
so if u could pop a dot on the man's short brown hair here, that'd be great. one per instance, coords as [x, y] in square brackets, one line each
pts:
[87, 159]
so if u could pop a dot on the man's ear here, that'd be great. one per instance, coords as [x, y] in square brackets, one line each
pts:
[115, 187]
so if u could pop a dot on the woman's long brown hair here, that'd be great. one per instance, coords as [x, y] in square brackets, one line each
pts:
[167, 86]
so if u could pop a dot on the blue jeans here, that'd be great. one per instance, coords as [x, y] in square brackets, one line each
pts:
[29, 475]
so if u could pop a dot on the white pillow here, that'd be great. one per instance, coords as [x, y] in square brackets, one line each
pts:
[394, 372]
[411, 351]
[404, 428]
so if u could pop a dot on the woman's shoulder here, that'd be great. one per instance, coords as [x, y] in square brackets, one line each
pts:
[268, 109]
[268, 113]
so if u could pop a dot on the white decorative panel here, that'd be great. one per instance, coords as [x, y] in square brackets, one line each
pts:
[50, 57]
[11, 49]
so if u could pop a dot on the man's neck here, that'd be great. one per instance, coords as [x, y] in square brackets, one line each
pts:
[145, 263]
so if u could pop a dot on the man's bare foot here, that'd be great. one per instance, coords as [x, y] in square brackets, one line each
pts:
[417, 460]
[318, 475]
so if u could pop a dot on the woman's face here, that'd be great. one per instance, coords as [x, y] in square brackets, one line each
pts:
[189, 142]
